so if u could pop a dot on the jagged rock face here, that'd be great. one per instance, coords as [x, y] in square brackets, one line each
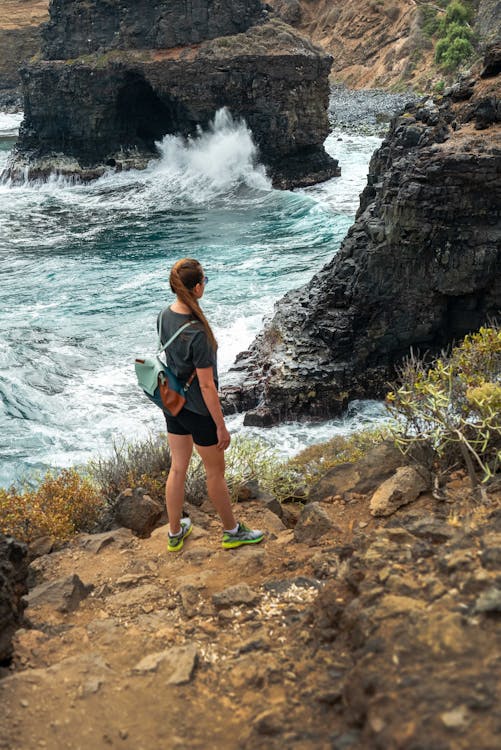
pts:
[83, 26]
[111, 108]
[419, 268]
[487, 23]
[13, 575]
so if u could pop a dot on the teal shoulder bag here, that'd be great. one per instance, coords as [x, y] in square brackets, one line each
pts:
[157, 380]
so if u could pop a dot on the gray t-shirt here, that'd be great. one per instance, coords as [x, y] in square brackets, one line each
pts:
[191, 349]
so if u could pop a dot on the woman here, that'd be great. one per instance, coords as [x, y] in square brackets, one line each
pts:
[201, 420]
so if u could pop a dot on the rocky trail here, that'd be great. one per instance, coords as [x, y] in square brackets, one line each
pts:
[346, 630]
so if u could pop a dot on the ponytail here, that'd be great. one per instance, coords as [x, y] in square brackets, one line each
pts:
[184, 277]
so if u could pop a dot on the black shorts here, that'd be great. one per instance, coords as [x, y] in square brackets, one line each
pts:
[202, 428]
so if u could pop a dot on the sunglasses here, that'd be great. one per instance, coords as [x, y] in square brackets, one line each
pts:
[206, 279]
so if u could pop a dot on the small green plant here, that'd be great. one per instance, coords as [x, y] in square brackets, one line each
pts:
[458, 12]
[451, 53]
[60, 505]
[439, 87]
[453, 407]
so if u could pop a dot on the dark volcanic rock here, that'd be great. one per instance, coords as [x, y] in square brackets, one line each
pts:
[419, 268]
[423, 636]
[116, 79]
[79, 27]
[13, 576]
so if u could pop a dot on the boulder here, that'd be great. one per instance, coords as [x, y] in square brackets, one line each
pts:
[97, 542]
[241, 593]
[312, 524]
[179, 661]
[13, 576]
[360, 476]
[406, 484]
[136, 510]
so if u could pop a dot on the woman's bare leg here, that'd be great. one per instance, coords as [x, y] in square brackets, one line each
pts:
[181, 448]
[213, 459]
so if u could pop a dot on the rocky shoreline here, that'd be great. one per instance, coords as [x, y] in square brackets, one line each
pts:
[366, 111]
[419, 268]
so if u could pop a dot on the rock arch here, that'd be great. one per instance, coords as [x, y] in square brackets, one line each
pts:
[143, 117]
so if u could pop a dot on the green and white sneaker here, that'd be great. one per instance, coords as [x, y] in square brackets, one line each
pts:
[176, 542]
[243, 535]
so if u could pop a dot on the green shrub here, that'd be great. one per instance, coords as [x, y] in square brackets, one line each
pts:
[144, 463]
[454, 46]
[250, 459]
[59, 506]
[458, 12]
[453, 408]
[451, 53]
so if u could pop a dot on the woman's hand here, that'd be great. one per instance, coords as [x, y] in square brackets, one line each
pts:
[223, 438]
[211, 399]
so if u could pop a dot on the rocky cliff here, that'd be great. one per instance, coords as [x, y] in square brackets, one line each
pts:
[116, 88]
[419, 268]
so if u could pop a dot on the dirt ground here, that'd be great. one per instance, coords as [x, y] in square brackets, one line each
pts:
[254, 681]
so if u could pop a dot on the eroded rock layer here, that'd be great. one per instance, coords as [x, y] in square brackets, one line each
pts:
[115, 80]
[419, 268]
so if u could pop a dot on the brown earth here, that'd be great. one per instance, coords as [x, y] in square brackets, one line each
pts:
[374, 634]
[370, 41]
[19, 40]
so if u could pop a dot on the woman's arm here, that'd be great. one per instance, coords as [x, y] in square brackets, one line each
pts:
[211, 398]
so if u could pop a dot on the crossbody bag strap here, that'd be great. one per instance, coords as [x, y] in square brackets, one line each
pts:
[174, 336]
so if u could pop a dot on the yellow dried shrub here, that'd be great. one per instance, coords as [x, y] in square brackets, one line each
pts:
[59, 506]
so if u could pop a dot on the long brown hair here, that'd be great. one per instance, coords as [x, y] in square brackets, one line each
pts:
[184, 276]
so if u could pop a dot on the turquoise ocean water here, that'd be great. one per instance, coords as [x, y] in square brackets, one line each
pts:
[83, 273]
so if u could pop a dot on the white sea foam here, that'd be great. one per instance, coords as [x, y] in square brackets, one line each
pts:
[9, 123]
[83, 273]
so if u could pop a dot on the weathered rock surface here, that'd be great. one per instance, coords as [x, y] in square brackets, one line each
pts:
[65, 594]
[406, 484]
[423, 638]
[419, 268]
[80, 27]
[362, 476]
[140, 71]
[13, 576]
[180, 663]
[312, 524]
[386, 638]
[136, 510]
[20, 24]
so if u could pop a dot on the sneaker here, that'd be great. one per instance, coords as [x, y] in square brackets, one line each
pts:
[243, 535]
[176, 542]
